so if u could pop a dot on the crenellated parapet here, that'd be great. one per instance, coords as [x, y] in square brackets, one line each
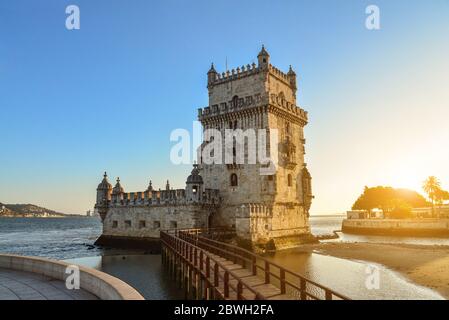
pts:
[252, 89]
[163, 197]
[233, 74]
[193, 194]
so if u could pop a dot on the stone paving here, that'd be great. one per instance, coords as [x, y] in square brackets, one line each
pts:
[19, 285]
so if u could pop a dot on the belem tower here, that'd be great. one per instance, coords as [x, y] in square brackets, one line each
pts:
[265, 210]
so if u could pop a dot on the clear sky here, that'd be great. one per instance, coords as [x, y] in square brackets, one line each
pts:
[106, 97]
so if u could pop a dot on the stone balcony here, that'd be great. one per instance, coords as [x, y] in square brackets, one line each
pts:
[249, 102]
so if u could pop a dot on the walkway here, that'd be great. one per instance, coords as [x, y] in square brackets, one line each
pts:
[19, 285]
[211, 269]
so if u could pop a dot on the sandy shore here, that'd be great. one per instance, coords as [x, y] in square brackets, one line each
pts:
[424, 265]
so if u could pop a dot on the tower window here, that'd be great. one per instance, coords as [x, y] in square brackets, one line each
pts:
[289, 180]
[114, 224]
[173, 225]
[142, 224]
[127, 223]
[234, 180]
[156, 224]
[235, 101]
[195, 189]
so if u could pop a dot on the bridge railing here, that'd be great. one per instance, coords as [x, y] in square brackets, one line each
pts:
[223, 283]
[287, 280]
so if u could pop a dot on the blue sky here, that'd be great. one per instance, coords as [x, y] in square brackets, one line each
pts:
[106, 97]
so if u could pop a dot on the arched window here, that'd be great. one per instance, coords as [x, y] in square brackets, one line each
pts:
[289, 180]
[235, 101]
[234, 180]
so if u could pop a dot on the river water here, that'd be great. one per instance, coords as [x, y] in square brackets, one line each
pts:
[72, 239]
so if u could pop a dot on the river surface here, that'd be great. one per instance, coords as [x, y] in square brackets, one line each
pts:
[72, 239]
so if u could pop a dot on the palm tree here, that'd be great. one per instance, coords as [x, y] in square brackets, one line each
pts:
[432, 186]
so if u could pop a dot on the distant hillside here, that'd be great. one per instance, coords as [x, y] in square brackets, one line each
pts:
[27, 210]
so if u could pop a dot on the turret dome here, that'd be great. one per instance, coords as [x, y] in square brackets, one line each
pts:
[212, 69]
[195, 176]
[263, 52]
[118, 188]
[291, 72]
[104, 185]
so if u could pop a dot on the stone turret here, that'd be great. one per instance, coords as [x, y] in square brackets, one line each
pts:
[104, 192]
[211, 76]
[263, 58]
[150, 186]
[118, 191]
[292, 77]
[194, 185]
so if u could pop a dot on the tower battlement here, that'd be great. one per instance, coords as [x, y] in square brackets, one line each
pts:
[246, 71]
[251, 88]
[163, 197]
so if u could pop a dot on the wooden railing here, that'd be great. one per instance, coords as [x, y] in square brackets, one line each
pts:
[211, 279]
[289, 282]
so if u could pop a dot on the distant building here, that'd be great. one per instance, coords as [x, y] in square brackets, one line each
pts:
[440, 212]
[365, 214]
[425, 212]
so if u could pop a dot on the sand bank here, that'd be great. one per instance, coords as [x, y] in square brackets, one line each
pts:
[424, 265]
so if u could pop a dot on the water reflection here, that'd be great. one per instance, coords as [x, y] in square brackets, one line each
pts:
[143, 272]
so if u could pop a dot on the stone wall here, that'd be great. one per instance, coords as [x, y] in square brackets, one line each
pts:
[405, 227]
[148, 221]
[104, 286]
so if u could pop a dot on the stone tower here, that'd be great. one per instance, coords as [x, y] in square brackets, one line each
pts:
[104, 192]
[270, 209]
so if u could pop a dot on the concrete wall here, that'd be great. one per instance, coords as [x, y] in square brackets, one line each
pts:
[104, 286]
